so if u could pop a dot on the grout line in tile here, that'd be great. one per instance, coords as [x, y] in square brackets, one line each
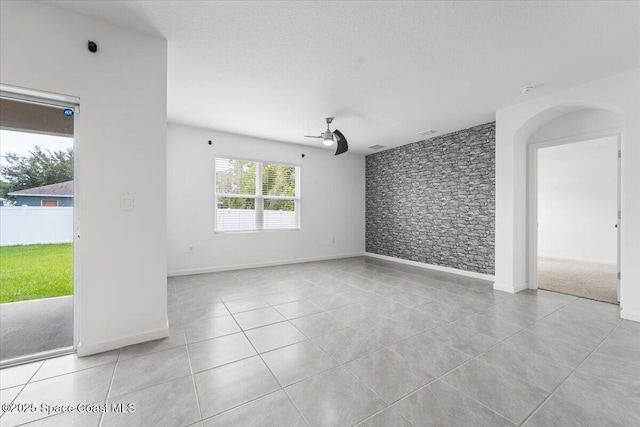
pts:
[448, 323]
[306, 378]
[390, 408]
[224, 364]
[56, 414]
[22, 386]
[296, 406]
[343, 364]
[247, 403]
[148, 387]
[553, 392]
[255, 349]
[106, 399]
[73, 372]
[630, 390]
[207, 339]
[193, 381]
[387, 405]
[153, 351]
[440, 378]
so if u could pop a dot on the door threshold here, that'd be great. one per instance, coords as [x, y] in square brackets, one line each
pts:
[37, 356]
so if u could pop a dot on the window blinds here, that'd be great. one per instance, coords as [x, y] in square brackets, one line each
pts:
[253, 195]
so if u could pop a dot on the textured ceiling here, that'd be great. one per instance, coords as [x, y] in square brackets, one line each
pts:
[384, 70]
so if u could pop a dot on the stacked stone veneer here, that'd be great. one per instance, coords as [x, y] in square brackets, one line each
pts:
[434, 201]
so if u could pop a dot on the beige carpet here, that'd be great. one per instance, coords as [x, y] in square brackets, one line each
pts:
[582, 279]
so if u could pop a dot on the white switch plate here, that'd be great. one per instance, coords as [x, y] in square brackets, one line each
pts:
[126, 203]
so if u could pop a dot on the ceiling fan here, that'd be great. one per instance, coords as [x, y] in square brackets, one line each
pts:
[329, 138]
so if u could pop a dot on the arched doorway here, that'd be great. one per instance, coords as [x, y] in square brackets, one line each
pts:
[573, 204]
[514, 125]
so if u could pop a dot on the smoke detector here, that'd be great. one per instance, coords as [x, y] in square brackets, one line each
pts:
[376, 147]
[426, 132]
[526, 89]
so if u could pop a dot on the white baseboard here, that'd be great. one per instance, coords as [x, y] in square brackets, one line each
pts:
[559, 258]
[512, 289]
[89, 349]
[257, 265]
[433, 267]
[630, 315]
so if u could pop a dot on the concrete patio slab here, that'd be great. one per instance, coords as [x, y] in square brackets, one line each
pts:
[34, 326]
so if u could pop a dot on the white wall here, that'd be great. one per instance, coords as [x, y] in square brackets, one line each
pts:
[578, 201]
[121, 149]
[576, 123]
[332, 204]
[28, 225]
[515, 125]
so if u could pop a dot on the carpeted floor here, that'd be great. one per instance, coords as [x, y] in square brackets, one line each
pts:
[29, 327]
[582, 279]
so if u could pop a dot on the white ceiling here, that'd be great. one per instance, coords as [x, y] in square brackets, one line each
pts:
[384, 70]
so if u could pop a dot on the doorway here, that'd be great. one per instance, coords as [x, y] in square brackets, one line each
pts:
[38, 235]
[576, 208]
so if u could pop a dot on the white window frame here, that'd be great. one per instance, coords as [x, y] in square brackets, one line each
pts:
[258, 197]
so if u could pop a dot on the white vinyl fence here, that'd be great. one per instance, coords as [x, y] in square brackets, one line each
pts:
[28, 225]
[244, 219]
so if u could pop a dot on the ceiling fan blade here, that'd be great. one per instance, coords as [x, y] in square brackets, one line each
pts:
[341, 141]
[309, 136]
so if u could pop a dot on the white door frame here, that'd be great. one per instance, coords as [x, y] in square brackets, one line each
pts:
[532, 195]
[619, 215]
[58, 100]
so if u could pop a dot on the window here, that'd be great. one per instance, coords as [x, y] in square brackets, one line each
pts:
[49, 203]
[253, 195]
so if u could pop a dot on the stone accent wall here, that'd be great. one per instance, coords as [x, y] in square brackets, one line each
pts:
[434, 201]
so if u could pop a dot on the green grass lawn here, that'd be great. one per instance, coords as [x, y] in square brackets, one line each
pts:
[35, 271]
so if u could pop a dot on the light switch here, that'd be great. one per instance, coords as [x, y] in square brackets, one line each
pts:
[126, 202]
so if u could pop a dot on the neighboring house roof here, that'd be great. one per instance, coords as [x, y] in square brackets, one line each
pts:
[61, 189]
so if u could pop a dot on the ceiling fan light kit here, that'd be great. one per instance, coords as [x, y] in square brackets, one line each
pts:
[526, 89]
[328, 138]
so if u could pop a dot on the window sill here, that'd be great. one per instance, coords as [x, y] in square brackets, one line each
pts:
[256, 231]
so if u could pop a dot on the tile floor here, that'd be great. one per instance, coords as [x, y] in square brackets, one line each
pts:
[350, 342]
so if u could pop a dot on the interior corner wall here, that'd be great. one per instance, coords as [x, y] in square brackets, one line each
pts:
[514, 126]
[121, 149]
[331, 204]
[433, 201]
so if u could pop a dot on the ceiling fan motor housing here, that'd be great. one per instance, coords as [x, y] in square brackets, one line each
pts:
[328, 138]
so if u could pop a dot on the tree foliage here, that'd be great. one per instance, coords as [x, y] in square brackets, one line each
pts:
[5, 188]
[278, 180]
[239, 177]
[40, 167]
